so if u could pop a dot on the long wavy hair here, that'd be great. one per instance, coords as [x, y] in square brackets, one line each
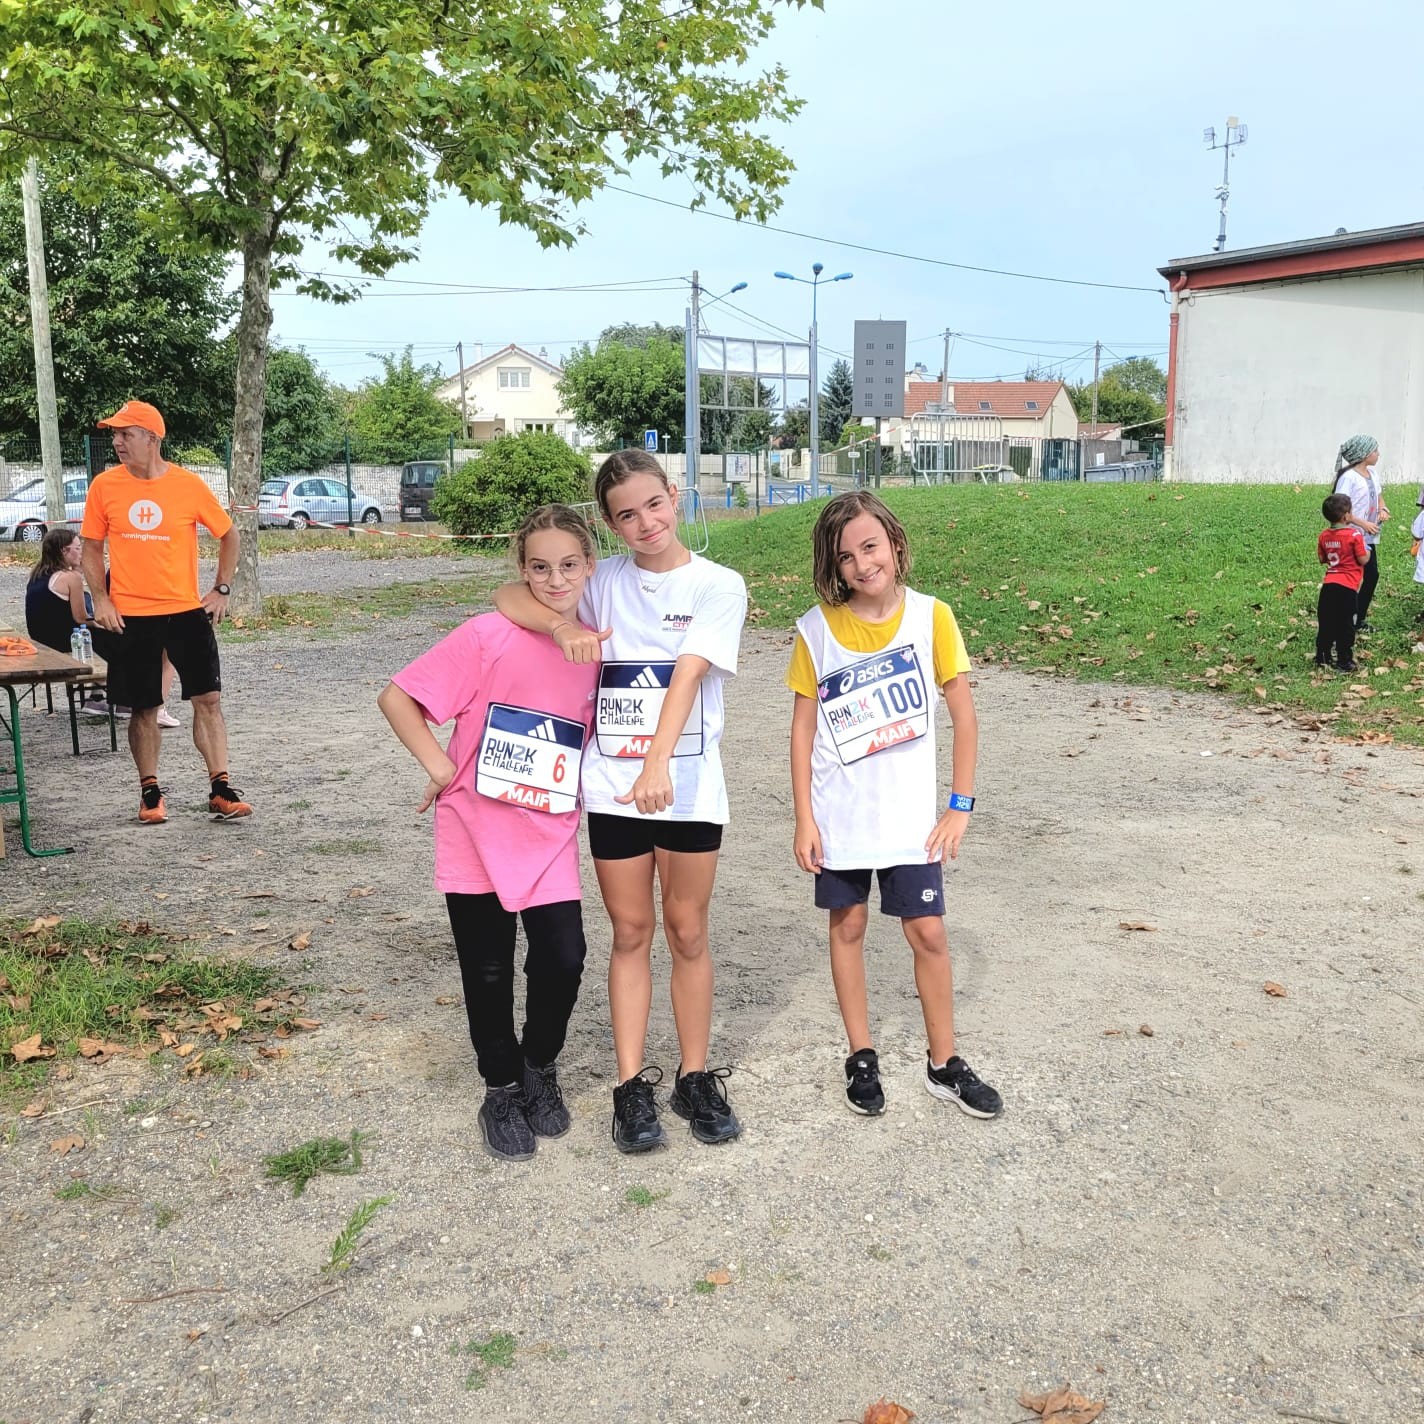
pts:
[831, 588]
[52, 554]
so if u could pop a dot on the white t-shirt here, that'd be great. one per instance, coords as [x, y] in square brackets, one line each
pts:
[697, 608]
[1364, 491]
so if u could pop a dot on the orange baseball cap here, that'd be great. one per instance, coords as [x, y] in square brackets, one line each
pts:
[139, 414]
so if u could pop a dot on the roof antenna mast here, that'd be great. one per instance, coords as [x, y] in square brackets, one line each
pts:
[1235, 137]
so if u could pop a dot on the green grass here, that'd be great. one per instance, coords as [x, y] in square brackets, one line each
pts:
[348, 1240]
[363, 609]
[366, 546]
[641, 1196]
[337, 1156]
[353, 846]
[702, 1286]
[1199, 587]
[123, 985]
[495, 1353]
[82, 1191]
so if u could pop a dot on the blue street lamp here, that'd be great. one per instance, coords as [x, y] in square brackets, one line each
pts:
[814, 281]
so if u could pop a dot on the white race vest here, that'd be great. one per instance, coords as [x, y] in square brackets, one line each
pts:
[529, 759]
[873, 771]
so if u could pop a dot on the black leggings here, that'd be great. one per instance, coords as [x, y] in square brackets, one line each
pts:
[1368, 580]
[484, 943]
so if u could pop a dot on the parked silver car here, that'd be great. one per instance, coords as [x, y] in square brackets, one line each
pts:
[299, 500]
[22, 511]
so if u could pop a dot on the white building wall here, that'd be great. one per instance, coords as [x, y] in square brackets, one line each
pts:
[1271, 379]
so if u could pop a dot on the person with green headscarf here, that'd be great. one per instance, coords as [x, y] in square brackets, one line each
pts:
[1356, 476]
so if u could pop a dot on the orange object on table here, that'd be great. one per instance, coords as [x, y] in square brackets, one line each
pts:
[16, 648]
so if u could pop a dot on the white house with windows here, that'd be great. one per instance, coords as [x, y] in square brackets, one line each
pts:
[509, 391]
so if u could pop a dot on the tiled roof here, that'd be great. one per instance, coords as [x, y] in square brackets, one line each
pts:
[1006, 399]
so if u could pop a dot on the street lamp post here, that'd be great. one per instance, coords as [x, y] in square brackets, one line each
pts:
[814, 281]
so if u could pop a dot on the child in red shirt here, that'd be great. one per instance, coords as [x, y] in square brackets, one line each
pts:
[1341, 548]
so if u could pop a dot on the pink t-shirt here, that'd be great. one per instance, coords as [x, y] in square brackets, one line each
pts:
[527, 857]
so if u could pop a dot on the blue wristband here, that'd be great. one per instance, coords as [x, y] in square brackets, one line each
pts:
[959, 803]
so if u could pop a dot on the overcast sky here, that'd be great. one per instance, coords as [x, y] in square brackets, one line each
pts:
[1039, 137]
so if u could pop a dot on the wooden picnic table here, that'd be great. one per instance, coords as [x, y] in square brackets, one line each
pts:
[44, 667]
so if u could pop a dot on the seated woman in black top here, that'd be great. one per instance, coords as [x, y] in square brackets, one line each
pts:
[56, 603]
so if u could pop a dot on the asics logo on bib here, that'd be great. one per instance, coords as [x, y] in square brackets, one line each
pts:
[646, 678]
[544, 731]
[866, 673]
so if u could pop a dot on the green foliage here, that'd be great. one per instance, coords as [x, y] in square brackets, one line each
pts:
[337, 1156]
[837, 397]
[794, 431]
[629, 333]
[343, 1249]
[399, 417]
[263, 127]
[853, 432]
[513, 475]
[191, 455]
[1133, 392]
[131, 315]
[1201, 587]
[301, 430]
[496, 1353]
[620, 389]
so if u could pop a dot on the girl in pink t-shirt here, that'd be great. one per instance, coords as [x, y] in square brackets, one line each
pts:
[506, 797]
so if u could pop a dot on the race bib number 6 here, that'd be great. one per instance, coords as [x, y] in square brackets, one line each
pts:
[530, 759]
[630, 701]
[875, 704]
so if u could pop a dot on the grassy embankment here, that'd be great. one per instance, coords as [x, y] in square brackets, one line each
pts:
[1200, 587]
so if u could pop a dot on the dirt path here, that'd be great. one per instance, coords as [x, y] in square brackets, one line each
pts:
[1216, 1222]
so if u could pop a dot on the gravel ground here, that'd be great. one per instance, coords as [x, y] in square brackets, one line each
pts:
[1218, 1221]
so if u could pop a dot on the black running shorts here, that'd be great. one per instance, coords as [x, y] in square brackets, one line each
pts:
[627, 837]
[136, 663]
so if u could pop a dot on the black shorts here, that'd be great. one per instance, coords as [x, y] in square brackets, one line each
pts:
[136, 663]
[627, 837]
[909, 892]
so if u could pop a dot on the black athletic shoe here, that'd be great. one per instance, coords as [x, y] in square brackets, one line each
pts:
[1365, 627]
[635, 1115]
[702, 1100]
[503, 1125]
[544, 1102]
[1346, 667]
[863, 1090]
[958, 1083]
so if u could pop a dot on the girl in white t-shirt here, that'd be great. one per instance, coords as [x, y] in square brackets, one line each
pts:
[653, 787]
[1357, 475]
[866, 666]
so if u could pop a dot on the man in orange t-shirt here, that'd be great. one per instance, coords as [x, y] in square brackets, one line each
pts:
[149, 511]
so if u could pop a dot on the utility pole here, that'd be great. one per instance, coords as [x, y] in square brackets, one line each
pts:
[44, 355]
[1097, 358]
[464, 409]
[945, 373]
[692, 414]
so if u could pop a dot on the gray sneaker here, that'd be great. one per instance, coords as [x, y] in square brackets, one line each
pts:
[505, 1129]
[543, 1101]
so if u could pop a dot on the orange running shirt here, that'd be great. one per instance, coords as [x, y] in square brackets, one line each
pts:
[152, 529]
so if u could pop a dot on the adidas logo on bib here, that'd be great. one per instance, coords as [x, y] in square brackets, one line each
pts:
[544, 731]
[646, 678]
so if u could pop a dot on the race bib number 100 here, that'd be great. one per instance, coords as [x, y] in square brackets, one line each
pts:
[530, 759]
[875, 704]
[630, 701]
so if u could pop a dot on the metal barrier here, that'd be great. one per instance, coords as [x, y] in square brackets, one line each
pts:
[692, 527]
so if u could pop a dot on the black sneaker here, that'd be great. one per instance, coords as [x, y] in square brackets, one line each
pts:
[702, 1100]
[635, 1115]
[958, 1083]
[1346, 667]
[1365, 627]
[503, 1125]
[544, 1102]
[863, 1090]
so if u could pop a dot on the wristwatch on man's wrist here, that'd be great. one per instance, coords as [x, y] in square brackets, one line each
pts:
[223, 588]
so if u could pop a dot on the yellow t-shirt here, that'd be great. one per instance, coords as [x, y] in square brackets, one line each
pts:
[950, 655]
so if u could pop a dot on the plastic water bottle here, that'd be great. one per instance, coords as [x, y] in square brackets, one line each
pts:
[81, 645]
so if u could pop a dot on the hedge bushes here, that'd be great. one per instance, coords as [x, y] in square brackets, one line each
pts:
[513, 475]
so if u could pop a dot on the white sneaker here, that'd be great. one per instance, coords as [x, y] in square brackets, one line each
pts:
[167, 719]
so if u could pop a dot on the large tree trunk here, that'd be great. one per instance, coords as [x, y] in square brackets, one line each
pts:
[253, 326]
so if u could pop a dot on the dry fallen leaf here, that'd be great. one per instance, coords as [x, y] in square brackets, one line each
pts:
[301, 941]
[306, 1023]
[719, 1277]
[886, 1411]
[446, 999]
[184, 1049]
[35, 1109]
[65, 1145]
[1063, 1406]
[98, 1049]
[359, 892]
[45, 922]
[1137, 925]
[1276, 991]
[19, 1003]
[1145, 1030]
[29, 1048]
[266, 1052]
